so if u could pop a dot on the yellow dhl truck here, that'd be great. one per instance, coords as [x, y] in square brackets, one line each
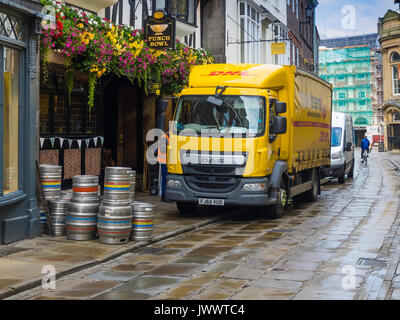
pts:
[248, 135]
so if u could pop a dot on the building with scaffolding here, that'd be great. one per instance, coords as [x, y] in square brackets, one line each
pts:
[354, 66]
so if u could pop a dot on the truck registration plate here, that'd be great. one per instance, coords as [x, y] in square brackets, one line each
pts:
[211, 202]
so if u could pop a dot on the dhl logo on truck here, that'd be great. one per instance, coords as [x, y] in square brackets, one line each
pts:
[228, 73]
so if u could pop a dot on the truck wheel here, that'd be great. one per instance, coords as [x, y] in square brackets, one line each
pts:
[341, 178]
[351, 173]
[312, 194]
[276, 211]
[186, 209]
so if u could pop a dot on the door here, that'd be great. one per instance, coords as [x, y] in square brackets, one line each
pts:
[394, 136]
[127, 127]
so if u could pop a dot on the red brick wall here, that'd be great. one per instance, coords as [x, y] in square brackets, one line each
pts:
[301, 35]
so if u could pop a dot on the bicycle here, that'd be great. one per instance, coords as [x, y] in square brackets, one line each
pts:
[364, 158]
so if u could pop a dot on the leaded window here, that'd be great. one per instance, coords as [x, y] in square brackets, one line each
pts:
[11, 26]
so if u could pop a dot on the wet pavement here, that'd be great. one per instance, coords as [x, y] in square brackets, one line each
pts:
[343, 246]
[21, 262]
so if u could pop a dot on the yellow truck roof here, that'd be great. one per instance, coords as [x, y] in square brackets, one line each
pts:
[243, 75]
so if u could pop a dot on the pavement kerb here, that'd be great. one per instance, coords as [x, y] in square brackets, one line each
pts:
[32, 283]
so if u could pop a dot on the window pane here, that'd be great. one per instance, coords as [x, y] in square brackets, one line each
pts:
[44, 113]
[242, 9]
[11, 120]
[91, 121]
[77, 103]
[396, 87]
[242, 39]
[60, 114]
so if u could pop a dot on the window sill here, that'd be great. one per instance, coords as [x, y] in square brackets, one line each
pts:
[12, 198]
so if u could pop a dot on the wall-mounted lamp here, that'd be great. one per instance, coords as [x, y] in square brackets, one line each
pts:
[309, 13]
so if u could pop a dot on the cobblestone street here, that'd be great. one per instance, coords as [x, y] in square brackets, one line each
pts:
[343, 246]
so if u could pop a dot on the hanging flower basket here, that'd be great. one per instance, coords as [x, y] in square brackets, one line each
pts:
[97, 47]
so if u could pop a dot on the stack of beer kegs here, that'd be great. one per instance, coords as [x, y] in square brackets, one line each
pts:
[81, 221]
[115, 215]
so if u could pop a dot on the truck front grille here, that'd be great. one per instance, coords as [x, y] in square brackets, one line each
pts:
[206, 178]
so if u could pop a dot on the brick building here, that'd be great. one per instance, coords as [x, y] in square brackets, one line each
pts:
[303, 34]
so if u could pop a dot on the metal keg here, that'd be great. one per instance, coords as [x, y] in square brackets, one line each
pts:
[81, 219]
[142, 221]
[85, 186]
[117, 183]
[115, 221]
[133, 185]
[43, 222]
[65, 195]
[58, 212]
[50, 177]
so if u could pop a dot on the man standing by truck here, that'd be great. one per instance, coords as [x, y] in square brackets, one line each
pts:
[364, 147]
[162, 160]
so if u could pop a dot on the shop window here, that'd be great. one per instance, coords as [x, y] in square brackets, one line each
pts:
[10, 120]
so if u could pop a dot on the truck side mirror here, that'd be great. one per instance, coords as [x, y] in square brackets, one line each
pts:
[348, 146]
[280, 107]
[279, 125]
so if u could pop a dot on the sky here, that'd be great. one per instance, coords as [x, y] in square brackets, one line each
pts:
[336, 18]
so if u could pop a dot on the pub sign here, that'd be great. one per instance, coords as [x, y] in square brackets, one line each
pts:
[160, 31]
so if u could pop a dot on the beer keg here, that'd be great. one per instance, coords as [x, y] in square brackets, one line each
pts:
[117, 183]
[85, 186]
[133, 185]
[81, 219]
[50, 177]
[114, 221]
[58, 211]
[142, 221]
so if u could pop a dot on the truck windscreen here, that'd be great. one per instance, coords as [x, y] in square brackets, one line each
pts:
[336, 136]
[237, 115]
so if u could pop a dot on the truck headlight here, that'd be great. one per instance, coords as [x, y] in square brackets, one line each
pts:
[336, 155]
[254, 187]
[174, 183]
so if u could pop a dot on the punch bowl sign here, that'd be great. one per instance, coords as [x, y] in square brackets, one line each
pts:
[160, 31]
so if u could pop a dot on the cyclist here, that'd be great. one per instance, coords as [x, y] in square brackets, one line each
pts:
[364, 147]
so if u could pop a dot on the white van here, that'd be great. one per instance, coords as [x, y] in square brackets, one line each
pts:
[342, 147]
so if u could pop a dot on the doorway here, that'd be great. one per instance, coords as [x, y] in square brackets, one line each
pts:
[359, 135]
[123, 129]
[393, 131]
